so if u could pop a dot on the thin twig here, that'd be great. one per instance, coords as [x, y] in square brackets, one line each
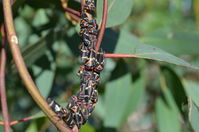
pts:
[18, 121]
[4, 105]
[103, 25]
[72, 11]
[23, 72]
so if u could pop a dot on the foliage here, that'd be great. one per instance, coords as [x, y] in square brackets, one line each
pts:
[136, 94]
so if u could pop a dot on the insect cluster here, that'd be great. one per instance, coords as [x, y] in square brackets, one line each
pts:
[81, 106]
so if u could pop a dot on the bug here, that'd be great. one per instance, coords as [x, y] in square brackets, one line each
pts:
[82, 105]
[76, 111]
[84, 34]
[91, 60]
[62, 113]
[92, 31]
[84, 54]
[89, 5]
[100, 62]
[88, 92]
[85, 23]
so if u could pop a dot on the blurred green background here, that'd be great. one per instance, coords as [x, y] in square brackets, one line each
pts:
[136, 94]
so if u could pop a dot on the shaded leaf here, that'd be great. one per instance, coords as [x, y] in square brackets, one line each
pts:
[40, 18]
[23, 30]
[44, 75]
[34, 51]
[174, 84]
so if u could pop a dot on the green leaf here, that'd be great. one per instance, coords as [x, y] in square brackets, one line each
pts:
[174, 84]
[32, 127]
[40, 18]
[38, 115]
[125, 43]
[44, 75]
[118, 11]
[192, 89]
[34, 51]
[121, 98]
[87, 128]
[167, 113]
[100, 108]
[23, 30]
[194, 116]
[177, 42]
[167, 119]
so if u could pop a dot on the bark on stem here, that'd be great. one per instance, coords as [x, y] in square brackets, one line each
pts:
[4, 105]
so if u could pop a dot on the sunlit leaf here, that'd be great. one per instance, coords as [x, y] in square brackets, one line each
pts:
[118, 11]
[121, 98]
[87, 128]
[194, 116]
[192, 89]
[177, 42]
[125, 43]
[32, 127]
[167, 119]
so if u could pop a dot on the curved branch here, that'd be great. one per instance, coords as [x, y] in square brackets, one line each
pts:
[4, 105]
[103, 25]
[23, 72]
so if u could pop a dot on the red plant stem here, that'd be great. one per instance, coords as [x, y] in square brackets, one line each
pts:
[73, 13]
[4, 105]
[119, 55]
[103, 25]
[18, 121]
[21, 120]
[70, 10]
[76, 18]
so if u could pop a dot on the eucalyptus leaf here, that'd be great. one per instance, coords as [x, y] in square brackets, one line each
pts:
[44, 75]
[167, 119]
[118, 11]
[124, 42]
[174, 82]
[194, 116]
[121, 98]
[87, 128]
[32, 127]
[178, 42]
[192, 89]
[40, 18]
